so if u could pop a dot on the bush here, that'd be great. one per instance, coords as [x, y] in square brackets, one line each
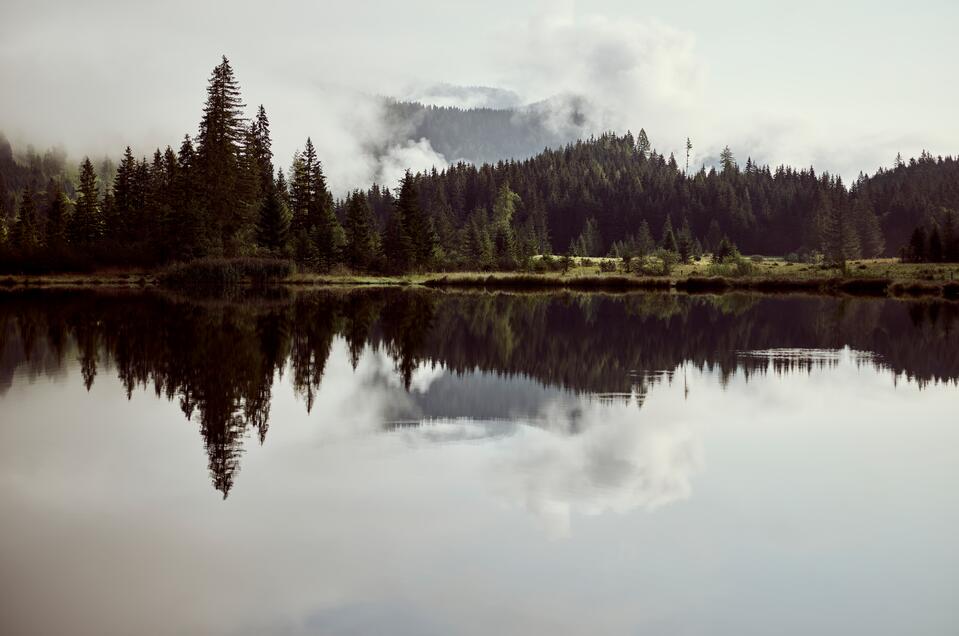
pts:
[731, 268]
[607, 265]
[224, 272]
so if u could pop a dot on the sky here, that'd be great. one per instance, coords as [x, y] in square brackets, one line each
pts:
[842, 86]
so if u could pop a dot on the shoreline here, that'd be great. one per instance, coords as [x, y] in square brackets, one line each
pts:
[880, 287]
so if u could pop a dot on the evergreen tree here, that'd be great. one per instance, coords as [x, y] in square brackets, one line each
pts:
[188, 218]
[123, 218]
[360, 232]
[416, 224]
[950, 238]
[477, 243]
[57, 216]
[916, 251]
[668, 241]
[728, 161]
[725, 251]
[645, 243]
[589, 242]
[714, 235]
[259, 156]
[642, 143]
[934, 252]
[872, 243]
[26, 233]
[86, 226]
[273, 225]
[397, 244]
[504, 239]
[218, 153]
[684, 244]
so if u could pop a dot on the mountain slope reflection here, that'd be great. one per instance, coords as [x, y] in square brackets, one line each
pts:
[569, 372]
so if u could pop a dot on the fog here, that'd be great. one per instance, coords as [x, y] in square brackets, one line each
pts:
[781, 86]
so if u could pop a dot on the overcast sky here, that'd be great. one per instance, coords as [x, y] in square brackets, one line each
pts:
[843, 86]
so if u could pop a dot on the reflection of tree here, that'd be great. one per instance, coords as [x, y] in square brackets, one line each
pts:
[406, 321]
[314, 325]
[219, 359]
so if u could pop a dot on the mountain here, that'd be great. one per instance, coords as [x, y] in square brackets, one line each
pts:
[488, 135]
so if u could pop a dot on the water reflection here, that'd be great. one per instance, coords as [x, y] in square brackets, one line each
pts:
[564, 376]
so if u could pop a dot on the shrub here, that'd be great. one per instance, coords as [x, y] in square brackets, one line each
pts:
[732, 268]
[224, 272]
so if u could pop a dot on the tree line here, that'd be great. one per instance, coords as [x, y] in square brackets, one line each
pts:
[220, 194]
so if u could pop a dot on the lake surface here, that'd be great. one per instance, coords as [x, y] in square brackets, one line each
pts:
[409, 462]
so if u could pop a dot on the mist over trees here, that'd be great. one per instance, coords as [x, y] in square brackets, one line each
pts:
[219, 193]
[482, 135]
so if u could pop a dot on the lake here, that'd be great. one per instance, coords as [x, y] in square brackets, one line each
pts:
[405, 461]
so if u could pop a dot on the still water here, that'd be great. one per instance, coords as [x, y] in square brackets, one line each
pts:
[408, 462]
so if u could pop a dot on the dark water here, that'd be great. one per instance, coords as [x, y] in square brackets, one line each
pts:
[403, 462]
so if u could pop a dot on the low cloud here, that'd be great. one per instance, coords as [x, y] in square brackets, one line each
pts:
[615, 74]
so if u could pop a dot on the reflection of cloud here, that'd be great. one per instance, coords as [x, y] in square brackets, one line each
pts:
[570, 454]
[594, 457]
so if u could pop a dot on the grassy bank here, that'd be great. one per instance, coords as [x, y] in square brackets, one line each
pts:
[876, 277]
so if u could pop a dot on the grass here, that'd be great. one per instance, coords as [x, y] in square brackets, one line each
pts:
[225, 272]
[874, 277]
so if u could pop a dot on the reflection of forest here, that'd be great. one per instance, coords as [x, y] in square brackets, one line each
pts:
[219, 357]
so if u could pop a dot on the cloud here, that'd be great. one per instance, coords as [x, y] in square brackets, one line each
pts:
[452, 95]
[618, 74]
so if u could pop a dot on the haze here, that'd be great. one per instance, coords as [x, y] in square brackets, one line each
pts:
[841, 87]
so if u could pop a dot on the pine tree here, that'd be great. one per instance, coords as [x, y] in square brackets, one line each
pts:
[86, 226]
[725, 250]
[416, 224]
[668, 241]
[188, 217]
[867, 224]
[477, 243]
[360, 232]
[645, 243]
[326, 233]
[934, 253]
[26, 233]
[124, 213]
[259, 152]
[273, 225]
[728, 161]
[300, 193]
[397, 244]
[57, 216]
[916, 251]
[218, 153]
[642, 143]
[714, 235]
[504, 238]
[950, 238]
[684, 242]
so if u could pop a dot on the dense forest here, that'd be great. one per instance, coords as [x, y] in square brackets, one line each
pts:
[606, 345]
[219, 194]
